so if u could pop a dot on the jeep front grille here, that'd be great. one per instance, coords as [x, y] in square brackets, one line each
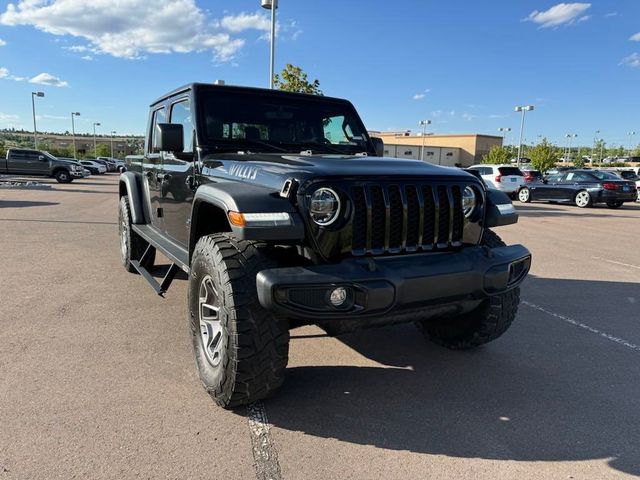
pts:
[406, 217]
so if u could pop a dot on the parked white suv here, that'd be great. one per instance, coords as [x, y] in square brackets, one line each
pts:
[505, 178]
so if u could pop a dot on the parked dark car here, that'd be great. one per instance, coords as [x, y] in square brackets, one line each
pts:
[23, 161]
[96, 168]
[109, 167]
[582, 187]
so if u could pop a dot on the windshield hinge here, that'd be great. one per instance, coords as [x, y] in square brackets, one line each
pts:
[306, 153]
[362, 154]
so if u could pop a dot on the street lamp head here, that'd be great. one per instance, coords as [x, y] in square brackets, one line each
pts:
[38, 94]
[269, 4]
[97, 124]
[424, 122]
[528, 108]
[77, 114]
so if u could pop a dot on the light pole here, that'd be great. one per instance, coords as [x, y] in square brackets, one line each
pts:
[113, 132]
[424, 124]
[593, 150]
[631, 134]
[95, 145]
[33, 108]
[505, 131]
[523, 109]
[271, 5]
[570, 136]
[73, 132]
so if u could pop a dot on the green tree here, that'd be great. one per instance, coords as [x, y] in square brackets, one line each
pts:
[103, 150]
[543, 156]
[3, 149]
[294, 79]
[497, 155]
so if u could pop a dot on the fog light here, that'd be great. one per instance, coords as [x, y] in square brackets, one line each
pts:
[338, 296]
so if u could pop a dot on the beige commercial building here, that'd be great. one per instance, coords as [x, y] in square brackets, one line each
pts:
[449, 150]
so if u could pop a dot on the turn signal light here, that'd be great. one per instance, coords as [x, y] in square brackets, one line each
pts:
[609, 186]
[498, 178]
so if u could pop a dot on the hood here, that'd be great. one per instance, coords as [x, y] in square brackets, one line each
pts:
[273, 169]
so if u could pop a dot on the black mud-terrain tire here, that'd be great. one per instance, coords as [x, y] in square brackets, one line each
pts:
[614, 203]
[485, 323]
[132, 245]
[63, 176]
[246, 361]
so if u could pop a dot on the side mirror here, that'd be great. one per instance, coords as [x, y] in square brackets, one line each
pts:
[378, 144]
[169, 137]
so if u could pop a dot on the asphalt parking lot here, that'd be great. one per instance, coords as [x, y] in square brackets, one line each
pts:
[97, 378]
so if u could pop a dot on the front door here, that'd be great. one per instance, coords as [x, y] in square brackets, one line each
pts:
[176, 175]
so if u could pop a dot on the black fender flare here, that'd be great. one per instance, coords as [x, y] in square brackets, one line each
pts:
[245, 198]
[499, 210]
[129, 185]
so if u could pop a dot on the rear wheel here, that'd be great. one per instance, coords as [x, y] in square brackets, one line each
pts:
[132, 245]
[485, 323]
[524, 195]
[614, 204]
[583, 199]
[241, 349]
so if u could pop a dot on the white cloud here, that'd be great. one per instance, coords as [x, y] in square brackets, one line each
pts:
[127, 28]
[468, 117]
[2, 43]
[87, 58]
[246, 21]
[436, 113]
[8, 117]
[560, 14]
[4, 73]
[421, 95]
[632, 60]
[611, 14]
[635, 37]
[48, 79]
[51, 117]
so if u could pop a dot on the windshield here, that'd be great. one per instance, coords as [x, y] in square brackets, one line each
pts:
[510, 171]
[48, 155]
[274, 123]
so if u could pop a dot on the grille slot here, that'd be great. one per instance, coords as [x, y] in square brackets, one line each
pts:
[406, 217]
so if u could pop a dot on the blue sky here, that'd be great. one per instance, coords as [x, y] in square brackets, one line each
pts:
[462, 64]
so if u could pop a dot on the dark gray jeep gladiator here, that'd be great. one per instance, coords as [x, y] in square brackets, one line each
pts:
[21, 161]
[282, 211]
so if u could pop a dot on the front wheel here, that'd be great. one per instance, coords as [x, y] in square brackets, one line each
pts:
[524, 195]
[62, 176]
[583, 199]
[614, 203]
[241, 349]
[485, 323]
[132, 245]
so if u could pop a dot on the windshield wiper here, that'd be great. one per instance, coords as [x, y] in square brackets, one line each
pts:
[326, 146]
[266, 144]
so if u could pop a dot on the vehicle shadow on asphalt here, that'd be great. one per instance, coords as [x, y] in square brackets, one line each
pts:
[25, 203]
[593, 212]
[546, 391]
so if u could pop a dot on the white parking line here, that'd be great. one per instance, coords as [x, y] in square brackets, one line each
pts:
[584, 326]
[616, 263]
[265, 455]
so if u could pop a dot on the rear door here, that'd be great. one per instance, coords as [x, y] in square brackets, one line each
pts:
[176, 174]
[150, 169]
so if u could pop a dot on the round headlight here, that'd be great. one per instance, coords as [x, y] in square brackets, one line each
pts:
[468, 201]
[324, 207]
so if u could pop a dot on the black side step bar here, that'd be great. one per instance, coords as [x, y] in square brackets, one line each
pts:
[176, 253]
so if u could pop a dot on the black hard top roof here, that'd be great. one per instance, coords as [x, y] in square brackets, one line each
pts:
[196, 86]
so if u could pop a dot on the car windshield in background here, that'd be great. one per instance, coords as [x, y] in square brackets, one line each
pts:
[513, 171]
[269, 123]
[605, 175]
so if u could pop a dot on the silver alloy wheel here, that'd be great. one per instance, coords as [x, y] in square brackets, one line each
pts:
[583, 198]
[209, 316]
[523, 195]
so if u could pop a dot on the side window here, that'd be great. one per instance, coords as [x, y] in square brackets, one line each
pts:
[159, 116]
[338, 130]
[181, 113]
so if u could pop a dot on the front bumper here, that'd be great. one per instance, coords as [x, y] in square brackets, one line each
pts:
[76, 173]
[377, 286]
